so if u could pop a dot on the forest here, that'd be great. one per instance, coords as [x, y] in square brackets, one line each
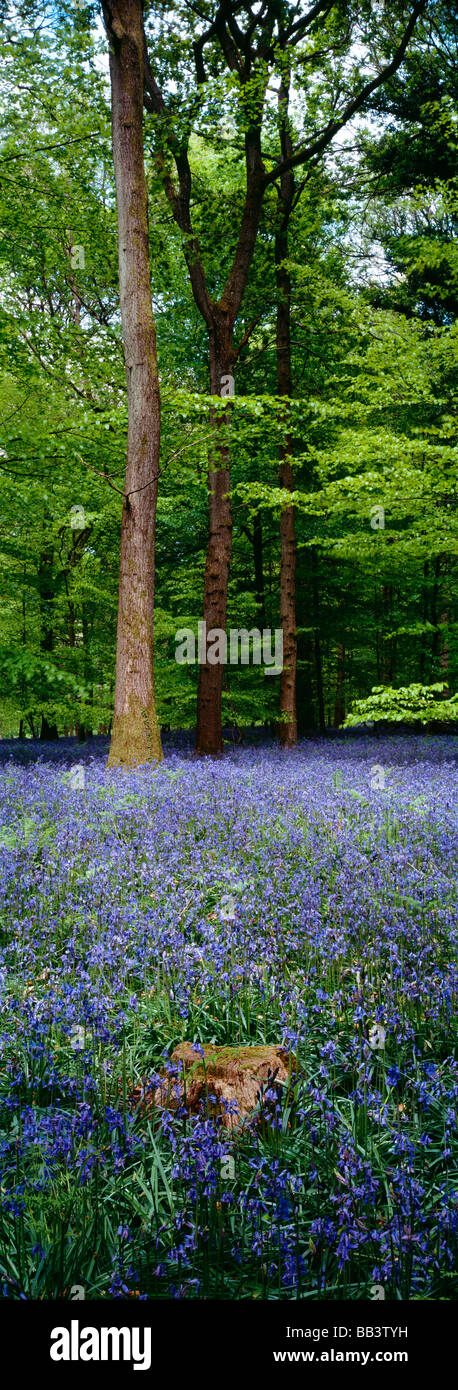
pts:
[229, 650]
[324, 285]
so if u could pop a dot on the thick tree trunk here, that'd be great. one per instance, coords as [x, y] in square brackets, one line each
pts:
[288, 714]
[219, 549]
[135, 737]
[49, 731]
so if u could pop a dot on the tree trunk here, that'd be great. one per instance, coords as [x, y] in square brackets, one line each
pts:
[48, 729]
[219, 549]
[288, 712]
[424, 617]
[84, 731]
[444, 648]
[388, 648]
[339, 707]
[442, 622]
[258, 558]
[135, 737]
[317, 646]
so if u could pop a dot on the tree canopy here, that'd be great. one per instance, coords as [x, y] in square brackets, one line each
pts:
[366, 425]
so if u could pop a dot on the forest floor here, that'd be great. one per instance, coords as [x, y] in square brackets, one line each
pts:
[306, 900]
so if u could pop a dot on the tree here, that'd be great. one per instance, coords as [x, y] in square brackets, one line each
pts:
[251, 48]
[366, 418]
[135, 736]
[286, 193]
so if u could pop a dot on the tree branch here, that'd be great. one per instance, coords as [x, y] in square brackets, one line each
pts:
[180, 201]
[317, 147]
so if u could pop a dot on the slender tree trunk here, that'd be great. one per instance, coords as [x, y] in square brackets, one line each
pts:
[444, 647]
[72, 644]
[135, 736]
[435, 644]
[46, 588]
[219, 549]
[443, 622]
[317, 646]
[319, 681]
[258, 559]
[288, 712]
[24, 643]
[377, 631]
[76, 307]
[424, 616]
[71, 623]
[339, 707]
[388, 648]
[84, 731]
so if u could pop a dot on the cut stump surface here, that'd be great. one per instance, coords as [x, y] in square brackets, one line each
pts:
[226, 1073]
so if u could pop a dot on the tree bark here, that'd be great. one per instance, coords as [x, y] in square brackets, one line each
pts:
[135, 735]
[49, 730]
[388, 647]
[424, 617]
[258, 560]
[441, 620]
[288, 713]
[444, 622]
[219, 548]
[339, 706]
[317, 645]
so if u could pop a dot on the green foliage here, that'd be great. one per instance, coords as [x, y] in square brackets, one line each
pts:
[374, 371]
[408, 705]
